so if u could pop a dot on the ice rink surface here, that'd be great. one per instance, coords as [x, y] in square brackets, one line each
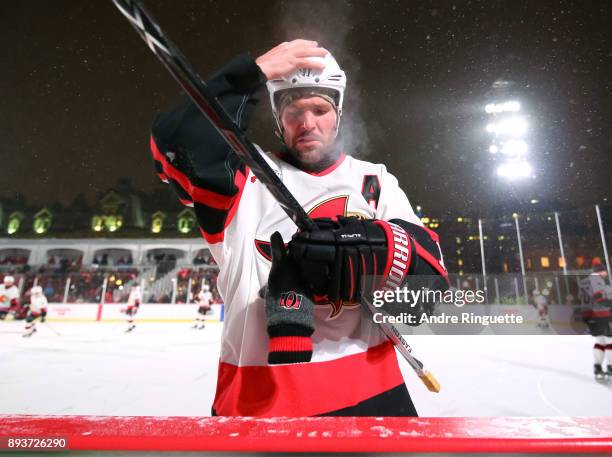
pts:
[169, 369]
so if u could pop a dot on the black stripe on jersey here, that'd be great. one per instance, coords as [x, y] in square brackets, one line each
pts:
[211, 220]
[394, 402]
[181, 193]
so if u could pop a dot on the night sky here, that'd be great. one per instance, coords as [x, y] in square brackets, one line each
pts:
[80, 89]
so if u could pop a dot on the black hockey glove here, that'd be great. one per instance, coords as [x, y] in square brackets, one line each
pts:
[289, 310]
[351, 258]
[43, 315]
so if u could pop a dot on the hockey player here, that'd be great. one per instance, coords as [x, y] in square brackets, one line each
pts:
[598, 317]
[133, 304]
[204, 301]
[540, 300]
[9, 296]
[282, 354]
[36, 309]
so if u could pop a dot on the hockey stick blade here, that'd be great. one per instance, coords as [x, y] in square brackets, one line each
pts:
[178, 66]
[404, 348]
[52, 329]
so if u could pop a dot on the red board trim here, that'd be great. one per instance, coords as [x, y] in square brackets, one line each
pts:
[320, 434]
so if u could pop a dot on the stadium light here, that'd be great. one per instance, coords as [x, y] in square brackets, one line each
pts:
[493, 149]
[506, 107]
[514, 148]
[514, 170]
[513, 126]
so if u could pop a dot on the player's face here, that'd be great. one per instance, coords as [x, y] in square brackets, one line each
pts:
[309, 125]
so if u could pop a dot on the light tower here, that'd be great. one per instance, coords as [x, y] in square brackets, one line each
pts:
[507, 127]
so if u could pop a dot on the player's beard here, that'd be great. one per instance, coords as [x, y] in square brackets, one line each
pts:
[329, 156]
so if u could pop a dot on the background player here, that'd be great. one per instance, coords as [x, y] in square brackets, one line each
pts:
[204, 301]
[37, 308]
[540, 300]
[9, 296]
[598, 317]
[133, 304]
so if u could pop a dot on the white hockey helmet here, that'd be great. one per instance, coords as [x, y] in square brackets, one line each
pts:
[546, 292]
[205, 287]
[36, 290]
[536, 291]
[331, 81]
[9, 280]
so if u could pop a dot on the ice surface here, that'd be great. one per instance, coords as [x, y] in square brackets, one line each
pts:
[169, 369]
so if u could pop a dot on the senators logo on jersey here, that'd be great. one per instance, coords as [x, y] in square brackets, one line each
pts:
[331, 208]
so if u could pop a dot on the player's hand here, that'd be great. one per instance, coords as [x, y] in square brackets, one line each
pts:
[289, 310]
[350, 258]
[287, 57]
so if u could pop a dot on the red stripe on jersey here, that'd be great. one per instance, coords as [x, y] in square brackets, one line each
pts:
[434, 236]
[430, 259]
[306, 389]
[595, 313]
[212, 238]
[608, 347]
[199, 195]
[601, 347]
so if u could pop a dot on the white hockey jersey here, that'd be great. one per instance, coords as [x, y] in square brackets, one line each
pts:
[596, 287]
[352, 359]
[205, 298]
[540, 301]
[7, 295]
[135, 297]
[38, 302]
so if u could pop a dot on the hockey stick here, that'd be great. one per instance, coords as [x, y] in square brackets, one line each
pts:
[51, 328]
[148, 29]
[198, 91]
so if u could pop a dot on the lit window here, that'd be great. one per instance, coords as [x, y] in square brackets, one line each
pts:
[561, 262]
[96, 223]
[14, 223]
[157, 222]
[545, 262]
